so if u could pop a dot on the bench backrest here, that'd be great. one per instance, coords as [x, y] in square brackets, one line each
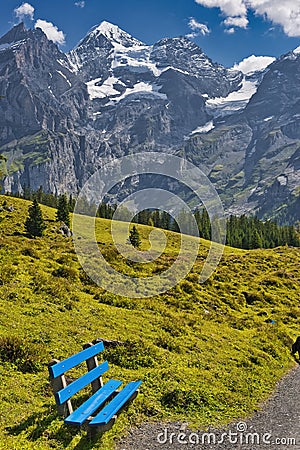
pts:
[73, 361]
[64, 392]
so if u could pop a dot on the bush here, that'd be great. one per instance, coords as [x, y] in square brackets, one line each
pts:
[25, 356]
[184, 400]
[65, 272]
[7, 274]
[132, 355]
[30, 252]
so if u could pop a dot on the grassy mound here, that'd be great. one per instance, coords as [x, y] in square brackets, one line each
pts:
[207, 353]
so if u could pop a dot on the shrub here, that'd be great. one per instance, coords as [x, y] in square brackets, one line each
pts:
[7, 274]
[65, 272]
[253, 297]
[132, 355]
[184, 400]
[30, 252]
[25, 356]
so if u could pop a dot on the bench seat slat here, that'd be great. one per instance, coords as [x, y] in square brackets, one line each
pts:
[66, 393]
[58, 369]
[85, 410]
[107, 413]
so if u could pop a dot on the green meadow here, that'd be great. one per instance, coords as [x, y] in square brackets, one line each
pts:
[207, 353]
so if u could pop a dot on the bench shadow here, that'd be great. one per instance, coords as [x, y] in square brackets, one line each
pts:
[86, 443]
[39, 423]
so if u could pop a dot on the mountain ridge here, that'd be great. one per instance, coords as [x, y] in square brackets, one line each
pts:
[113, 95]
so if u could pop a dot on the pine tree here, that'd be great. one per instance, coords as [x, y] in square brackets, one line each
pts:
[34, 224]
[134, 237]
[256, 240]
[72, 203]
[63, 212]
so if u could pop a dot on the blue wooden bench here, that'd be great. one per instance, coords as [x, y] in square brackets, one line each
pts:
[99, 412]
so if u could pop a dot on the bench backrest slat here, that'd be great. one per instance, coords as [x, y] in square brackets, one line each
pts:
[66, 393]
[58, 369]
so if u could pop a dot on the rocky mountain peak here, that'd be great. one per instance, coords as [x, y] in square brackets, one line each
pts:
[185, 55]
[114, 34]
[106, 35]
[296, 51]
[177, 49]
[17, 33]
[94, 53]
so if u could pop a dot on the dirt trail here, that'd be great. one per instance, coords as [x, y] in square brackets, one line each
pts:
[275, 426]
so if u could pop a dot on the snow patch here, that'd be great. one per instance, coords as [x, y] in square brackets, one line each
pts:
[282, 179]
[297, 51]
[64, 76]
[267, 119]
[11, 45]
[142, 88]
[114, 33]
[135, 58]
[4, 46]
[235, 101]
[185, 72]
[106, 89]
[204, 128]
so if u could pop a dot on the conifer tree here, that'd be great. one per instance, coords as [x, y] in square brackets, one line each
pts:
[34, 224]
[63, 212]
[134, 237]
[72, 203]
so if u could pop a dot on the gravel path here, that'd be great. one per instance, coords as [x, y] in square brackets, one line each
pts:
[276, 425]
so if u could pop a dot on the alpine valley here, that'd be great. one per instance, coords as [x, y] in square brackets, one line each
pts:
[112, 95]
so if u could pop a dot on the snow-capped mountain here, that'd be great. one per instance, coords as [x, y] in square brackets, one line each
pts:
[124, 66]
[253, 68]
[165, 86]
[113, 94]
[256, 158]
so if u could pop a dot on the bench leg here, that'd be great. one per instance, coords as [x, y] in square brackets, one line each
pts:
[57, 384]
[94, 432]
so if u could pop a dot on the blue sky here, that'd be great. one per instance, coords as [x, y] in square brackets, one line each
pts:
[228, 32]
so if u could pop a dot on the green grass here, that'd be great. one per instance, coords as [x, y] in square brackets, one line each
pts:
[207, 353]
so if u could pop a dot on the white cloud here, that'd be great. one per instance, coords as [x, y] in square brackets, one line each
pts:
[80, 4]
[192, 35]
[282, 12]
[285, 13]
[24, 10]
[254, 63]
[240, 22]
[228, 7]
[230, 31]
[51, 31]
[198, 28]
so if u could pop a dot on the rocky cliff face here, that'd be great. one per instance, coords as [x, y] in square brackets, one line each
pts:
[253, 156]
[113, 95]
[42, 110]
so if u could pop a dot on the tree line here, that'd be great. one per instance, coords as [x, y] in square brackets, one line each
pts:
[35, 225]
[246, 232]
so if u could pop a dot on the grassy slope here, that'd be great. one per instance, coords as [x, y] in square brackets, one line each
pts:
[206, 353]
